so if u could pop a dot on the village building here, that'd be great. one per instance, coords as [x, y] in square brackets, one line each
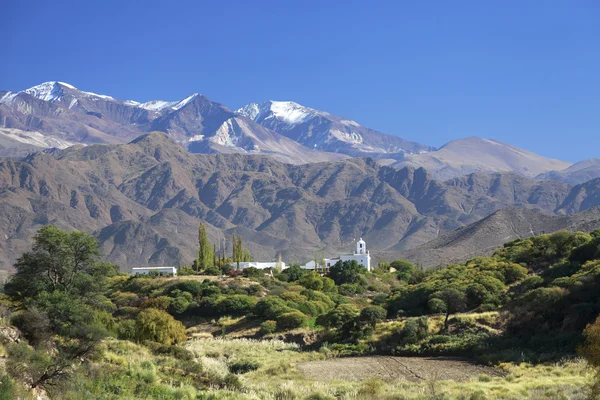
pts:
[361, 256]
[262, 265]
[157, 270]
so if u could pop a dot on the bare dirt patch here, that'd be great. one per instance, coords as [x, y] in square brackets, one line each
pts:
[414, 369]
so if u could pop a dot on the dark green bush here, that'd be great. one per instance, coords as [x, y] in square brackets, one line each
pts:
[242, 367]
[291, 320]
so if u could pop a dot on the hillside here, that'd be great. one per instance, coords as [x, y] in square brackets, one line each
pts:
[484, 237]
[577, 173]
[146, 198]
[466, 156]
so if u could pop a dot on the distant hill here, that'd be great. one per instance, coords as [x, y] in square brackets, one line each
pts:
[466, 156]
[485, 236]
[577, 173]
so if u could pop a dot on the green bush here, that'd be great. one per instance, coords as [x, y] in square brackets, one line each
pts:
[270, 308]
[252, 272]
[436, 306]
[236, 305]
[291, 320]
[350, 289]
[158, 326]
[242, 367]
[268, 327]
[195, 288]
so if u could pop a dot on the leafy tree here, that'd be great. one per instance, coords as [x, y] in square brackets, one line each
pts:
[292, 273]
[415, 329]
[252, 272]
[205, 251]
[60, 261]
[404, 269]
[455, 302]
[339, 316]
[436, 306]
[371, 315]
[311, 281]
[347, 272]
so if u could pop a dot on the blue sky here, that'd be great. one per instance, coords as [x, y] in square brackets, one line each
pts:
[523, 72]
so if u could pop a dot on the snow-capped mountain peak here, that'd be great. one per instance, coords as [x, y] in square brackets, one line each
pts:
[54, 90]
[185, 101]
[48, 91]
[285, 111]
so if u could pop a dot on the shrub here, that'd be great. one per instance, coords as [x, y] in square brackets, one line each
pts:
[270, 307]
[252, 272]
[180, 353]
[404, 269]
[158, 326]
[372, 315]
[268, 327]
[160, 303]
[242, 367]
[195, 288]
[339, 316]
[291, 320]
[350, 289]
[311, 281]
[236, 305]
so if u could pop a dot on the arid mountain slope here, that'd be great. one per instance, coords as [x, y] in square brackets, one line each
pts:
[577, 173]
[485, 236]
[466, 156]
[145, 199]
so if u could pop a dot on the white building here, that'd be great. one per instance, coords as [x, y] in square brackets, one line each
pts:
[261, 265]
[160, 270]
[361, 255]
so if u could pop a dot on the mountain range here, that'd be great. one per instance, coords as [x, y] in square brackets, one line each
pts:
[289, 179]
[144, 201]
[58, 115]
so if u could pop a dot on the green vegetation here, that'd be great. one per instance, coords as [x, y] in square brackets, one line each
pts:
[90, 332]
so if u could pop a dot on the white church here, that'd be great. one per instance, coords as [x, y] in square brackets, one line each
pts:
[361, 255]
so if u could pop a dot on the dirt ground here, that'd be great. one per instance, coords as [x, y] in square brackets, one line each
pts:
[415, 369]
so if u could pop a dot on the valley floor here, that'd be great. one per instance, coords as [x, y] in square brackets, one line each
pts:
[287, 373]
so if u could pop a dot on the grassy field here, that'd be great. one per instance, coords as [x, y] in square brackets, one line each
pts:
[277, 377]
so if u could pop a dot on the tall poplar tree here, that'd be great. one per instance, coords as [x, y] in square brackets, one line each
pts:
[204, 249]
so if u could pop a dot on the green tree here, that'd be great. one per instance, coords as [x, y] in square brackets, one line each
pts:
[347, 272]
[205, 255]
[339, 316]
[455, 301]
[404, 269]
[64, 261]
[371, 315]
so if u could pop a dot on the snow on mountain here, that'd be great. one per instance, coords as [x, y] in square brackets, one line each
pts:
[285, 111]
[323, 131]
[53, 91]
[156, 105]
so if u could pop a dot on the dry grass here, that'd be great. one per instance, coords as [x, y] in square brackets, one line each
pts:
[278, 378]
